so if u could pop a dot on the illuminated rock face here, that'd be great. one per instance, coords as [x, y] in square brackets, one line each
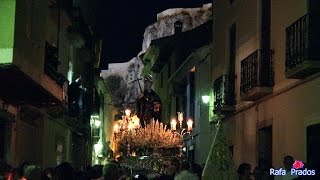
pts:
[129, 72]
[190, 17]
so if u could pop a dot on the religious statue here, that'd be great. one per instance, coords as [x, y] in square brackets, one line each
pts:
[148, 103]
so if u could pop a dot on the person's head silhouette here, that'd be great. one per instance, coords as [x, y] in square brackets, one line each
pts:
[288, 162]
[148, 81]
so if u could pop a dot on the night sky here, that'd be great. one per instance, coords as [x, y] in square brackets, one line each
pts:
[121, 24]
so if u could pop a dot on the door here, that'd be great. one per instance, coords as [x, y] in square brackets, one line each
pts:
[265, 145]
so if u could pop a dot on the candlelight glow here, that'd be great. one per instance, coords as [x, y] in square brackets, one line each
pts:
[173, 124]
[128, 112]
[130, 126]
[189, 123]
[116, 128]
[180, 116]
[136, 121]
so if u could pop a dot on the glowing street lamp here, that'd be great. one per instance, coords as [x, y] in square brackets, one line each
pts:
[98, 147]
[205, 99]
[97, 123]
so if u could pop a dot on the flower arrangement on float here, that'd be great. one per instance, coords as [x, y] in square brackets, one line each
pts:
[132, 139]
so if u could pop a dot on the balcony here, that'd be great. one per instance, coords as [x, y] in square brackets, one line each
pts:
[224, 94]
[20, 88]
[256, 75]
[51, 65]
[302, 45]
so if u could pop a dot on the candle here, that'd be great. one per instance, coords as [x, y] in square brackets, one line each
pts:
[180, 116]
[116, 128]
[128, 112]
[189, 123]
[173, 124]
[130, 126]
[136, 121]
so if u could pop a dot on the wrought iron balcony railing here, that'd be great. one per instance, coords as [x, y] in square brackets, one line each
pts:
[224, 93]
[51, 64]
[256, 71]
[302, 45]
[297, 42]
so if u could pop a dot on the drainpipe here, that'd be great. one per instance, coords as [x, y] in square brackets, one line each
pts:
[58, 37]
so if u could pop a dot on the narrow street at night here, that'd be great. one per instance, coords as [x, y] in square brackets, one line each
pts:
[159, 90]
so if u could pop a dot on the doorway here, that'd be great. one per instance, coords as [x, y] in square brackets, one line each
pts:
[265, 145]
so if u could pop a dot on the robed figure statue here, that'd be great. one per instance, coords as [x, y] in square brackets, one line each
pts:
[148, 103]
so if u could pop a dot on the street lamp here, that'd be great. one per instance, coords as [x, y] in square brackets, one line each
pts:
[95, 121]
[205, 99]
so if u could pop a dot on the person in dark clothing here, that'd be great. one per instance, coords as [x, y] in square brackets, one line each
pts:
[148, 103]
[261, 172]
[244, 171]
[64, 171]
[76, 97]
[74, 92]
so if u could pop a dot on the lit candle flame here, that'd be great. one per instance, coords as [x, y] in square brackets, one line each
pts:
[130, 126]
[136, 121]
[189, 123]
[128, 112]
[173, 124]
[180, 116]
[116, 128]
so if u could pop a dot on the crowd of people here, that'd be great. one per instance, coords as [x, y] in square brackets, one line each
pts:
[63, 171]
[263, 171]
[175, 170]
[113, 170]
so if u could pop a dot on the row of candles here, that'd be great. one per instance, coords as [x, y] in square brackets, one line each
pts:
[173, 122]
[129, 122]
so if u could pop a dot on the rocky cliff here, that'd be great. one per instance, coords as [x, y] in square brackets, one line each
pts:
[190, 17]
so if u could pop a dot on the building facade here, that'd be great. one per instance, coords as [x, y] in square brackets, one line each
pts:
[101, 123]
[40, 40]
[266, 76]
